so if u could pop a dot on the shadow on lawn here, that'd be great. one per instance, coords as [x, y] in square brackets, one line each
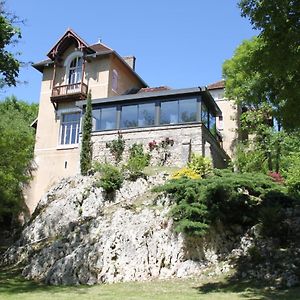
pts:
[249, 290]
[11, 282]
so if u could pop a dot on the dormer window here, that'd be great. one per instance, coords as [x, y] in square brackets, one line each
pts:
[75, 70]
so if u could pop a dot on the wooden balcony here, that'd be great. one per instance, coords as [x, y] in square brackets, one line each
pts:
[69, 92]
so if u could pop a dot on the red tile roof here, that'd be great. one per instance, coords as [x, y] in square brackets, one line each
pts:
[154, 89]
[217, 85]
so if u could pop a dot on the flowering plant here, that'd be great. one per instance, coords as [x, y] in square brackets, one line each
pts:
[162, 148]
[276, 177]
[152, 145]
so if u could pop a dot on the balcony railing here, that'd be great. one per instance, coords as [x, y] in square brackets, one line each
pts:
[76, 91]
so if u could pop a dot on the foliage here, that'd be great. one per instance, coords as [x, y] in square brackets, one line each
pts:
[266, 69]
[228, 197]
[250, 159]
[200, 165]
[162, 148]
[268, 152]
[185, 172]
[137, 161]
[10, 34]
[86, 145]
[111, 179]
[117, 147]
[292, 175]
[16, 154]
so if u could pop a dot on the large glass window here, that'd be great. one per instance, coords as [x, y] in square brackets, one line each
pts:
[181, 111]
[129, 116]
[69, 129]
[141, 115]
[104, 118]
[146, 114]
[187, 110]
[169, 112]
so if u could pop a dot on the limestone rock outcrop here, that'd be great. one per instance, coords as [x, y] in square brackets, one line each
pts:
[79, 235]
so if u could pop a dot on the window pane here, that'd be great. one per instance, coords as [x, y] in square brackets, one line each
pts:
[129, 116]
[67, 132]
[187, 110]
[169, 112]
[212, 124]
[146, 114]
[70, 128]
[204, 114]
[73, 63]
[62, 135]
[96, 118]
[108, 118]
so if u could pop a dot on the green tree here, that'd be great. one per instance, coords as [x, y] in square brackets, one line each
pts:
[16, 154]
[9, 35]
[86, 145]
[266, 69]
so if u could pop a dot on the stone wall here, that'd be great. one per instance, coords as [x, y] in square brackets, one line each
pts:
[187, 138]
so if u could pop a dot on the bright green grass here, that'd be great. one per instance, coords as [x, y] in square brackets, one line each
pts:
[13, 287]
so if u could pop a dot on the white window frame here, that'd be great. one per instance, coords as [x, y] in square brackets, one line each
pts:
[68, 62]
[61, 113]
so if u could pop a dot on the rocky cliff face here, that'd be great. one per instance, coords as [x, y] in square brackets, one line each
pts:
[78, 235]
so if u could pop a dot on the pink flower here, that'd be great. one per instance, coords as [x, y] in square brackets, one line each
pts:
[276, 177]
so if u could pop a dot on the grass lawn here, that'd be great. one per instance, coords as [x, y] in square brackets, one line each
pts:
[14, 287]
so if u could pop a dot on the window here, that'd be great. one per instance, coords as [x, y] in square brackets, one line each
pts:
[114, 81]
[212, 123]
[75, 70]
[146, 114]
[181, 111]
[169, 112]
[204, 114]
[69, 129]
[140, 115]
[129, 116]
[220, 123]
[104, 118]
[187, 110]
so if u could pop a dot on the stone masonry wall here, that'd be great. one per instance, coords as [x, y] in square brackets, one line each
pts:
[187, 138]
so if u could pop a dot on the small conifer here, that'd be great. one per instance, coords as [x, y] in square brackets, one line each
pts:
[86, 145]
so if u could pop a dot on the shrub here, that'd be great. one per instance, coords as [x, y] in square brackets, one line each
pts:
[232, 198]
[292, 175]
[117, 147]
[248, 159]
[200, 165]
[137, 161]
[111, 178]
[162, 148]
[185, 172]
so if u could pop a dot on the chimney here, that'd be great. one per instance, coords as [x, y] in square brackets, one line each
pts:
[130, 60]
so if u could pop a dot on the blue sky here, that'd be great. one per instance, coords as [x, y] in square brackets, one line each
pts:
[177, 43]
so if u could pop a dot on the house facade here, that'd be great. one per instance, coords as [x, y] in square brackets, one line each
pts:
[122, 103]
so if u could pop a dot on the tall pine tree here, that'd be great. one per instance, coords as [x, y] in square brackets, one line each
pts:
[86, 145]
